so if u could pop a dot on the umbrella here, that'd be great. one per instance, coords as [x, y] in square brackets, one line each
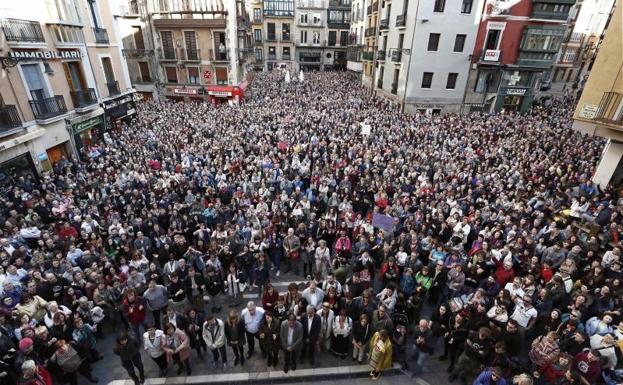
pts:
[287, 76]
[301, 76]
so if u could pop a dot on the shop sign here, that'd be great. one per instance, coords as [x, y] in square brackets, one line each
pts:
[110, 105]
[42, 157]
[89, 123]
[589, 111]
[516, 91]
[433, 106]
[45, 55]
[492, 55]
[220, 94]
[185, 91]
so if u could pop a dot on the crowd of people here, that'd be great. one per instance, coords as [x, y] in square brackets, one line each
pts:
[502, 258]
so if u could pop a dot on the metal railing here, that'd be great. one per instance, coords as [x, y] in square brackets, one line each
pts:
[218, 56]
[384, 24]
[190, 54]
[9, 118]
[271, 37]
[16, 30]
[66, 34]
[285, 56]
[375, 6]
[370, 31]
[101, 35]
[272, 56]
[166, 54]
[367, 55]
[401, 20]
[48, 107]
[286, 37]
[380, 54]
[83, 98]
[611, 108]
[113, 88]
[137, 53]
[369, 9]
[311, 4]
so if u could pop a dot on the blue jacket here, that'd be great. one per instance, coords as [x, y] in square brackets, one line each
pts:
[485, 379]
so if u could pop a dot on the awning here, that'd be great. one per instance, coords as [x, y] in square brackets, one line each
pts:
[220, 91]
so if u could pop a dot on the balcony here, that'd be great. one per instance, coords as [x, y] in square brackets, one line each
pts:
[370, 31]
[384, 24]
[367, 55]
[310, 24]
[272, 56]
[137, 53]
[286, 37]
[113, 88]
[167, 54]
[375, 6]
[83, 98]
[394, 88]
[285, 56]
[322, 43]
[339, 4]
[369, 9]
[311, 4]
[401, 21]
[550, 15]
[49, 107]
[380, 54]
[190, 54]
[9, 118]
[101, 35]
[257, 20]
[66, 35]
[271, 37]
[542, 59]
[22, 31]
[397, 56]
[337, 25]
[610, 109]
[218, 56]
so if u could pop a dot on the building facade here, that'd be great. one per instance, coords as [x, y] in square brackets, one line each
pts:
[277, 33]
[370, 46]
[311, 34]
[586, 24]
[64, 83]
[600, 108]
[515, 50]
[356, 43]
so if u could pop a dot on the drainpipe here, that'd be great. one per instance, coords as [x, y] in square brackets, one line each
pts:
[404, 94]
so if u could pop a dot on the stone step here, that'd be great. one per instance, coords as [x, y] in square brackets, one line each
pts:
[269, 376]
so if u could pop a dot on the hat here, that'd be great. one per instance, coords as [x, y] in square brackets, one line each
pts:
[25, 343]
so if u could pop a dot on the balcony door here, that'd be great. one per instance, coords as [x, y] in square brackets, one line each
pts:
[35, 81]
[190, 38]
[74, 76]
[108, 72]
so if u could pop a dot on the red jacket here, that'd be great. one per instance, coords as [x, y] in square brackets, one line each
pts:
[41, 377]
[135, 311]
[503, 276]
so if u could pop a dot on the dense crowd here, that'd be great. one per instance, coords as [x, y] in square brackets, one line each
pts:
[498, 234]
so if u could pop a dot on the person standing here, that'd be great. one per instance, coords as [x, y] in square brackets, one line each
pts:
[291, 246]
[326, 326]
[214, 336]
[70, 364]
[423, 345]
[291, 336]
[177, 348]
[311, 333]
[127, 348]
[134, 309]
[252, 317]
[153, 343]
[362, 332]
[157, 298]
[269, 337]
[342, 326]
[380, 353]
[235, 334]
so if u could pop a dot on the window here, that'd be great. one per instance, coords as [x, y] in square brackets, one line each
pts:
[459, 42]
[427, 79]
[270, 32]
[257, 35]
[97, 22]
[168, 48]
[394, 89]
[279, 7]
[139, 43]
[257, 15]
[143, 66]
[343, 38]
[440, 5]
[259, 54]
[332, 38]
[191, 45]
[285, 31]
[542, 39]
[34, 79]
[451, 83]
[73, 74]
[171, 74]
[193, 75]
[492, 39]
[466, 7]
[221, 76]
[401, 41]
[433, 41]
[316, 38]
[285, 53]
[303, 18]
[108, 72]
[304, 37]
[272, 53]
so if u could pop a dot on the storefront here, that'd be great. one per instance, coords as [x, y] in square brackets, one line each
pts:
[86, 131]
[514, 99]
[227, 94]
[13, 169]
[118, 110]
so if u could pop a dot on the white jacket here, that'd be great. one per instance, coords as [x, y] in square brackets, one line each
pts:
[215, 339]
[154, 349]
[345, 331]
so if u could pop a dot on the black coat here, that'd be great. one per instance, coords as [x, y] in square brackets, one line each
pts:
[240, 329]
[313, 333]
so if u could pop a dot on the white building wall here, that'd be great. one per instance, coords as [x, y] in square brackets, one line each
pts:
[448, 23]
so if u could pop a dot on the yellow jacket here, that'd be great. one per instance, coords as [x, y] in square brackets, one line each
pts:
[386, 353]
